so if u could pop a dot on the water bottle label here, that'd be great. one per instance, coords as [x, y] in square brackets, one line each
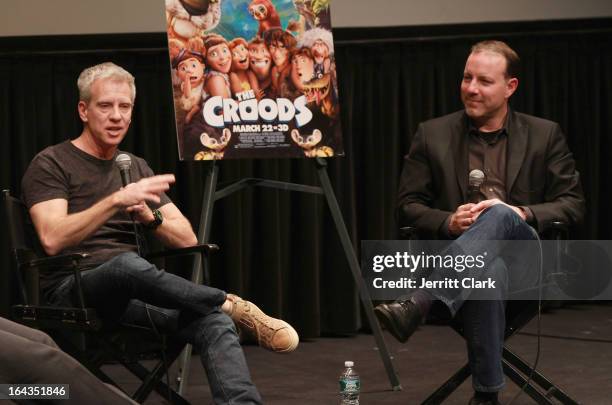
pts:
[349, 385]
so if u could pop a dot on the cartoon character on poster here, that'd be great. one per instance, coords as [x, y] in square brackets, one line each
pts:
[253, 78]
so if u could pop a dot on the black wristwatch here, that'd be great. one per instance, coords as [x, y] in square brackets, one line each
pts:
[157, 220]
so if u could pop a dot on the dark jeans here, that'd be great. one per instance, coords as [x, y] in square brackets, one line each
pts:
[131, 290]
[484, 317]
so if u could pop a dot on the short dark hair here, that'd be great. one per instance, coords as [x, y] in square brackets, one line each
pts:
[513, 62]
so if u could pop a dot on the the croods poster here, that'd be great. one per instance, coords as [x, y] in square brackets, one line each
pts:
[253, 78]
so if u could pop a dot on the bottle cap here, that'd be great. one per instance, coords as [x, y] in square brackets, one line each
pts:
[348, 364]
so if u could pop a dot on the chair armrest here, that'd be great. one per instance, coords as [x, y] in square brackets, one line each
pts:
[57, 317]
[31, 267]
[59, 260]
[204, 249]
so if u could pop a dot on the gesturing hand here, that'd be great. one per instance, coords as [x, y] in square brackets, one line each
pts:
[147, 189]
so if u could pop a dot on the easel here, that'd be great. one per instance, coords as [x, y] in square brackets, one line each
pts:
[211, 195]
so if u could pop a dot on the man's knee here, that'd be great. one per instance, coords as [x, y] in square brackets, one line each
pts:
[502, 216]
[500, 212]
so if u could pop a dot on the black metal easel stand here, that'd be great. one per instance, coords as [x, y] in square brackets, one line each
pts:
[211, 195]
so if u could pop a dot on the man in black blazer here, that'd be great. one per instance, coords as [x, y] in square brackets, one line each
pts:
[530, 180]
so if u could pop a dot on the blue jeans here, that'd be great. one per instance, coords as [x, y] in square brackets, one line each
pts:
[131, 290]
[484, 320]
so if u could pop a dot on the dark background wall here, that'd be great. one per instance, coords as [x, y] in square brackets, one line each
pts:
[278, 248]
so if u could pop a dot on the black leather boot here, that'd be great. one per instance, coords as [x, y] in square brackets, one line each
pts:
[400, 318]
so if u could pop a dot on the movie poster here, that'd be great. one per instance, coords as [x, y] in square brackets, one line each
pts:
[253, 79]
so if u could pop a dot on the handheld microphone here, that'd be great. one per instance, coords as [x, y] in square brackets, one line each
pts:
[123, 162]
[477, 177]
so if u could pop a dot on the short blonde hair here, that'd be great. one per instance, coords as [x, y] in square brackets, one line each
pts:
[104, 70]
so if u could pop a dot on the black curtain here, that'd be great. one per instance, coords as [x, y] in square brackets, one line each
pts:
[280, 249]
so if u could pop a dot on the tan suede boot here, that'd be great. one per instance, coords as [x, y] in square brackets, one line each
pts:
[270, 333]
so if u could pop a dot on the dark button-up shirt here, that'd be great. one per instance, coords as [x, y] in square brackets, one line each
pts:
[487, 152]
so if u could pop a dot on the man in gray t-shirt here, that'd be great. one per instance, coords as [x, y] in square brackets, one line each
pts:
[74, 196]
[65, 172]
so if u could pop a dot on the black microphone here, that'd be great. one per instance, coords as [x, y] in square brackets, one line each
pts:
[123, 162]
[477, 177]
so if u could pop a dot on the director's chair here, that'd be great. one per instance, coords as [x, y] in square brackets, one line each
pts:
[79, 330]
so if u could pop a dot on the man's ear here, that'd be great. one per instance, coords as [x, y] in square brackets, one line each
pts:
[511, 86]
[82, 107]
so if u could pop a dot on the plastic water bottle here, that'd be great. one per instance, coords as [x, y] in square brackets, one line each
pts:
[349, 385]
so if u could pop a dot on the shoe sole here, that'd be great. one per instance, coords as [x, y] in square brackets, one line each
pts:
[386, 319]
[294, 338]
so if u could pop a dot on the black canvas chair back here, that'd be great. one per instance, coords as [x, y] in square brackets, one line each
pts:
[24, 246]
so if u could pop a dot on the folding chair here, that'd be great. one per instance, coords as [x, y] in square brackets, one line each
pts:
[79, 330]
[518, 314]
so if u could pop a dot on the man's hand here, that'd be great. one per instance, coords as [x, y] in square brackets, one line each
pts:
[141, 213]
[147, 189]
[483, 205]
[58, 230]
[461, 219]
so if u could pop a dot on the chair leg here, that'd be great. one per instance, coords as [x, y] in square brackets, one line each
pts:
[521, 381]
[184, 369]
[149, 382]
[151, 379]
[449, 386]
[154, 380]
[551, 389]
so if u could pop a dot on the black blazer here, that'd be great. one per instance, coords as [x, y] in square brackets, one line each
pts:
[541, 172]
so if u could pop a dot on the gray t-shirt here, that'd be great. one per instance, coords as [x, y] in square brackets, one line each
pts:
[65, 171]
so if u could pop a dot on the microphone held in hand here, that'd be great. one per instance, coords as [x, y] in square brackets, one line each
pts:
[476, 178]
[123, 162]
